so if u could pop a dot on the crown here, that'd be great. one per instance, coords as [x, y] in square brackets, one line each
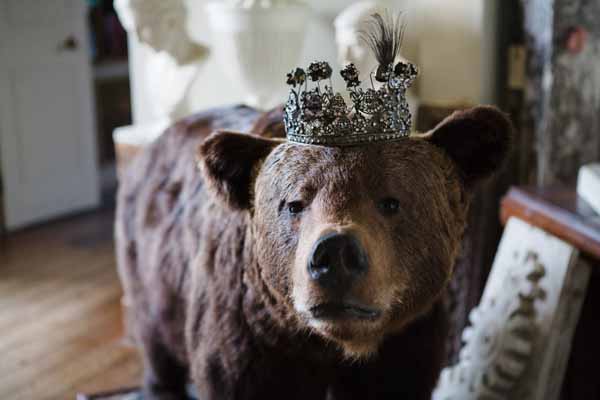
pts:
[318, 115]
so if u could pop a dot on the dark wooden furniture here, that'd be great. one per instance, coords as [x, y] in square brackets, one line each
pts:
[560, 212]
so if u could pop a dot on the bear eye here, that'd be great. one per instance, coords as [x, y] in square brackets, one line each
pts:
[388, 206]
[295, 207]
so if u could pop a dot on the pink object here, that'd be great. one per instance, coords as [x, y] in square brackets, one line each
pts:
[576, 39]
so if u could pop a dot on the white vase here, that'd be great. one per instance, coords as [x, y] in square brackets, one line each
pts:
[258, 43]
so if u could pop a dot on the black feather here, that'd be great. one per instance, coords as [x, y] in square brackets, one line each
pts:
[384, 36]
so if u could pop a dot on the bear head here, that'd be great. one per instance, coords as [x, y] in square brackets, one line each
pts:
[356, 242]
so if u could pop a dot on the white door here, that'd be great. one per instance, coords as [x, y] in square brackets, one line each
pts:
[47, 130]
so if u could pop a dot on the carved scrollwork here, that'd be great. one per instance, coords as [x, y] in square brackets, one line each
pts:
[499, 342]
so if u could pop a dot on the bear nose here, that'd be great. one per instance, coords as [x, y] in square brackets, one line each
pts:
[337, 260]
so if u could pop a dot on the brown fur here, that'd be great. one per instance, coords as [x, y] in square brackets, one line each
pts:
[215, 266]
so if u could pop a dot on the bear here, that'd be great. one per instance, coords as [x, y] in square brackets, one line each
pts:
[263, 269]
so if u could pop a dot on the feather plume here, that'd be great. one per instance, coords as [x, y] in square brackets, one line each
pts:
[384, 35]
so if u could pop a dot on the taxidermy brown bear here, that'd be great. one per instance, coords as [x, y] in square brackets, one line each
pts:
[280, 270]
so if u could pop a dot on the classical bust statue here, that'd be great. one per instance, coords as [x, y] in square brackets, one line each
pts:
[348, 27]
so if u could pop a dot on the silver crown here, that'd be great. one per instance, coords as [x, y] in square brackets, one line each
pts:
[320, 116]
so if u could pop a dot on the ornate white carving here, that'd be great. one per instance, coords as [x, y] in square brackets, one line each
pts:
[258, 43]
[519, 341]
[499, 342]
[161, 24]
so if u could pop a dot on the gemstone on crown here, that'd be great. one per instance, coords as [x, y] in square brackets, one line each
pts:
[320, 116]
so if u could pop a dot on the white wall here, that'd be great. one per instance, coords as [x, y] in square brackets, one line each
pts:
[450, 56]
[452, 41]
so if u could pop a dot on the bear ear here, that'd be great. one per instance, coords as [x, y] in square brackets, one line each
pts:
[228, 162]
[478, 140]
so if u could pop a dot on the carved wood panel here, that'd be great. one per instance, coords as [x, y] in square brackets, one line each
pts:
[519, 340]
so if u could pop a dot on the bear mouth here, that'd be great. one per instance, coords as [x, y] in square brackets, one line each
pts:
[336, 311]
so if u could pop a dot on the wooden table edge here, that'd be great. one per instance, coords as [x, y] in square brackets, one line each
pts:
[520, 204]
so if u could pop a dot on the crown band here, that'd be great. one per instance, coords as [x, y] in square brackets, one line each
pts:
[320, 116]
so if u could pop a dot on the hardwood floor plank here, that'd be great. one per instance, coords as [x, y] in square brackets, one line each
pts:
[68, 343]
[42, 294]
[41, 322]
[60, 313]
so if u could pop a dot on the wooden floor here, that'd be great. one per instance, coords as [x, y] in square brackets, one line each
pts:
[60, 322]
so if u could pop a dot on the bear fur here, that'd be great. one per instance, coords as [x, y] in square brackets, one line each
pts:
[213, 237]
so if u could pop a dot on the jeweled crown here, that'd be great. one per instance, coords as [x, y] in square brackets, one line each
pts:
[318, 115]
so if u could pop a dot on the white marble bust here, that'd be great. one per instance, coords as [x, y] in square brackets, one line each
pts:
[348, 27]
[176, 59]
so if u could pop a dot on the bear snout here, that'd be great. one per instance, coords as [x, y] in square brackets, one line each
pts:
[337, 261]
